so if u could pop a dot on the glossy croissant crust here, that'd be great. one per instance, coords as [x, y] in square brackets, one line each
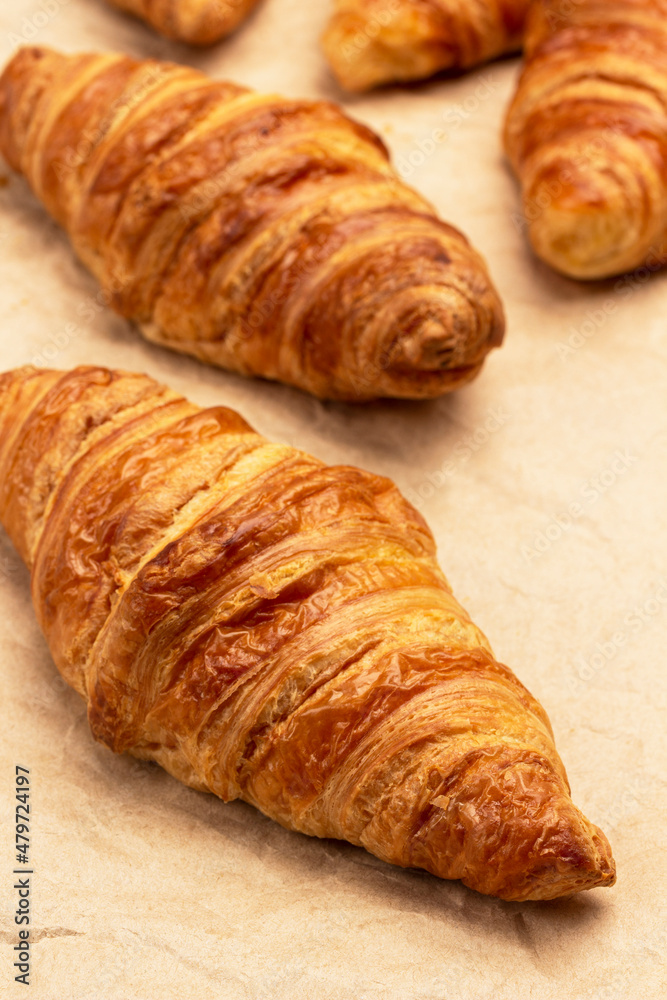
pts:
[265, 235]
[197, 22]
[273, 629]
[587, 135]
[371, 42]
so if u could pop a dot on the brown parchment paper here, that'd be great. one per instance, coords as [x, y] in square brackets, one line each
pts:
[145, 889]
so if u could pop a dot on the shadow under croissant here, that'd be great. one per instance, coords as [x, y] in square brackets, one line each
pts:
[355, 871]
[121, 783]
[300, 857]
[125, 778]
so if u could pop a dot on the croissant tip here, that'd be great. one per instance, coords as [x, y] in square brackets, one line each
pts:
[445, 332]
[29, 54]
[431, 346]
[589, 229]
[365, 53]
[576, 858]
[524, 839]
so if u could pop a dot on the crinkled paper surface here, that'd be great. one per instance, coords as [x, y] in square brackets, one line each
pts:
[145, 889]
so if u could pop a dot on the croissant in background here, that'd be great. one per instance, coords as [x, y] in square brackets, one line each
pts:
[272, 629]
[197, 22]
[587, 134]
[265, 235]
[371, 42]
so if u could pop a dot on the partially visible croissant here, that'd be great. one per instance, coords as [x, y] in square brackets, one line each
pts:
[265, 235]
[587, 135]
[371, 42]
[272, 629]
[197, 22]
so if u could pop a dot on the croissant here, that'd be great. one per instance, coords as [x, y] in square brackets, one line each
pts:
[272, 629]
[265, 235]
[371, 42]
[586, 134]
[197, 22]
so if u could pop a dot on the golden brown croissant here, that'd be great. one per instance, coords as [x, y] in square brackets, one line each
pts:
[371, 42]
[198, 22]
[587, 134]
[266, 235]
[276, 630]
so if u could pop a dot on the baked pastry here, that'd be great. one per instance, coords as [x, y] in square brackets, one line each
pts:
[371, 42]
[197, 22]
[265, 235]
[587, 135]
[273, 629]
